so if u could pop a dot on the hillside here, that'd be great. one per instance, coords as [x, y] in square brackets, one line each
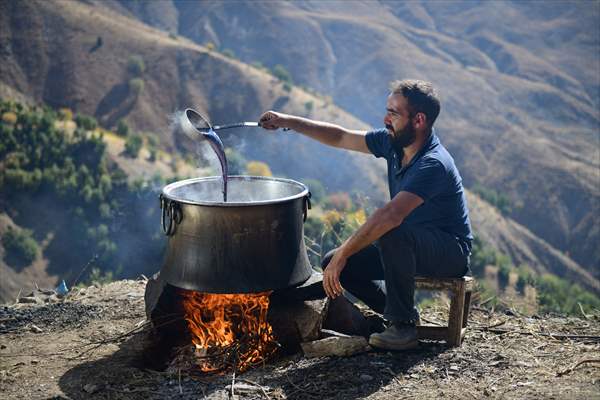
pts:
[520, 99]
[74, 72]
[179, 74]
[91, 346]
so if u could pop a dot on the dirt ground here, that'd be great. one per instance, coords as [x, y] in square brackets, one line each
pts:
[90, 346]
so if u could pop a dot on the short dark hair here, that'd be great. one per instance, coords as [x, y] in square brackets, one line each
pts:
[421, 97]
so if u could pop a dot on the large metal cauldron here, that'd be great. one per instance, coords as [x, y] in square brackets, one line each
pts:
[252, 243]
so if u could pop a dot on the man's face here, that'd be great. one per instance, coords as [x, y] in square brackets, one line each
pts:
[398, 122]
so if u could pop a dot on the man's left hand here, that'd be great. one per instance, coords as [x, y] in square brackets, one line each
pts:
[331, 275]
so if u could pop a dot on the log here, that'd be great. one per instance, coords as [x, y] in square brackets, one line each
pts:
[335, 346]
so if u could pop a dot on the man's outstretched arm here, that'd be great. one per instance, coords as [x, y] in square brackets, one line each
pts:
[324, 132]
[377, 225]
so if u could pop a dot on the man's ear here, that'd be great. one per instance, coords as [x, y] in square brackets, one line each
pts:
[420, 120]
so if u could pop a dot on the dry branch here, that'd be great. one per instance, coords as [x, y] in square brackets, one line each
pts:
[574, 367]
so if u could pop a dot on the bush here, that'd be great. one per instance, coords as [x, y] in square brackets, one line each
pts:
[228, 53]
[136, 86]
[153, 155]
[498, 200]
[9, 117]
[123, 128]
[287, 87]
[20, 247]
[308, 106]
[136, 66]
[133, 145]
[86, 122]
[98, 277]
[282, 74]
[65, 114]
[258, 168]
[210, 46]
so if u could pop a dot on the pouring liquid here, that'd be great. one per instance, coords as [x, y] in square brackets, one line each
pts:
[193, 123]
[217, 145]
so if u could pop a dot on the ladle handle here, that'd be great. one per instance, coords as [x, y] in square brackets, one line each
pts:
[240, 125]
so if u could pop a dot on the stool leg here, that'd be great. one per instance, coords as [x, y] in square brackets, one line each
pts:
[455, 321]
[467, 309]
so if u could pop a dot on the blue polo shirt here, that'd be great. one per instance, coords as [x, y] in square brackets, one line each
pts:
[431, 175]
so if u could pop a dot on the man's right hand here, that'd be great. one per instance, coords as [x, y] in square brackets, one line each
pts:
[272, 120]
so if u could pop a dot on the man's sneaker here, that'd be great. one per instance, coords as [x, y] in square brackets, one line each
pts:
[396, 337]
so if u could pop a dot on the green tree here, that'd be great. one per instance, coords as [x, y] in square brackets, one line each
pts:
[123, 128]
[136, 66]
[133, 145]
[86, 122]
[282, 74]
[20, 247]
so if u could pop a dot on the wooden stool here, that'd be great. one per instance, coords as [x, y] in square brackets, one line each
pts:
[460, 294]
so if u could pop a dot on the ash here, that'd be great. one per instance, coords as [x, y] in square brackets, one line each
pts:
[55, 316]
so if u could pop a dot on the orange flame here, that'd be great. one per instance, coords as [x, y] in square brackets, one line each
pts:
[229, 330]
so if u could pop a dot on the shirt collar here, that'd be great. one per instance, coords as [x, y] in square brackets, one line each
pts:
[431, 142]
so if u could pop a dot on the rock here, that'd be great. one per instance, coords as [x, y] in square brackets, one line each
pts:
[154, 288]
[366, 378]
[36, 329]
[30, 300]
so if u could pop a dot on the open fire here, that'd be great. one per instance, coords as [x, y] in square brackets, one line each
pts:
[228, 331]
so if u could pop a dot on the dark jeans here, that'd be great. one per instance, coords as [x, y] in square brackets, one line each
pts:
[382, 274]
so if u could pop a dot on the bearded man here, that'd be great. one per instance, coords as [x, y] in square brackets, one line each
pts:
[424, 230]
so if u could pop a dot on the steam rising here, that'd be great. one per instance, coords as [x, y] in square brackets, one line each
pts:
[196, 128]
[242, 189]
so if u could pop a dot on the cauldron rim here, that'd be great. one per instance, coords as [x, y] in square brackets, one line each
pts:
[174, 185]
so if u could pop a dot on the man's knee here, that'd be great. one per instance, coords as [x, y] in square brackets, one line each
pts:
[327, 258]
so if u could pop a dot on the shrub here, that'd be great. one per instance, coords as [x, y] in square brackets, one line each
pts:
[498, 200]
[136, 66]
[228, 53]
[65, 114]
[9, 117]
[339, 201]
[86, 122]
[153, 155]
[210, 46]
[136, 86]
[258, 168]
[282, 74]
[20, 247]
[133, 145]
[308, 106]
[287, 87]
[98, 277]
[123, 128]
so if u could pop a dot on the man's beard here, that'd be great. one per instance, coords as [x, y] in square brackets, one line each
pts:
[403, 137]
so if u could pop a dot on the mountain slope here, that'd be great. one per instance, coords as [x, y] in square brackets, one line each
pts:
[520, 99]
[180, 73]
